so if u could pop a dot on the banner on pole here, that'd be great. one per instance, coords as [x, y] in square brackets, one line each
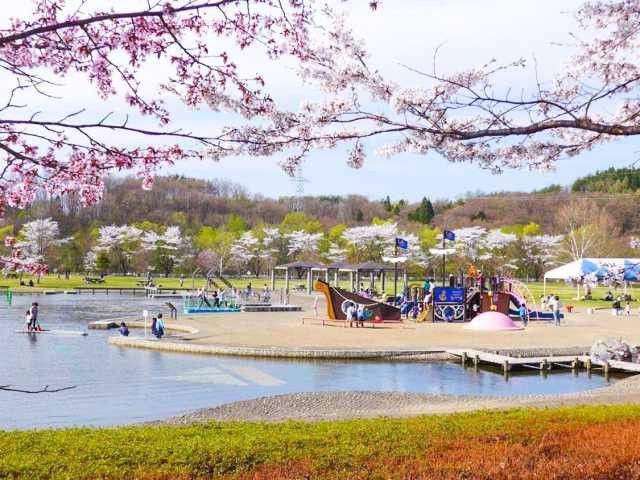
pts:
[402, 243]
[449, 235]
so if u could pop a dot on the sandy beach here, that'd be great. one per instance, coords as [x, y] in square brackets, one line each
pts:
[287, 330]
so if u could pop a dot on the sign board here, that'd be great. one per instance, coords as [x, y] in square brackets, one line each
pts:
[448, 295]
[449, 235]
[402, 243]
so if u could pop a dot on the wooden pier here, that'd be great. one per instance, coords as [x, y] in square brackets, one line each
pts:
[542, 363]
[131, 290]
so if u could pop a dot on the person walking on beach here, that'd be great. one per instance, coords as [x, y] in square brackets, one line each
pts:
[524, 317]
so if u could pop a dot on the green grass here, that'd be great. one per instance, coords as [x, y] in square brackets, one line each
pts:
[52, 282]
[334, 449]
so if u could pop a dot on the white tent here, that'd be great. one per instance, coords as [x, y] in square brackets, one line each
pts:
[598, 267]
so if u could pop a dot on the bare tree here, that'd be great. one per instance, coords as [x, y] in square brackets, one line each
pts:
[45, 389]
[588, 228]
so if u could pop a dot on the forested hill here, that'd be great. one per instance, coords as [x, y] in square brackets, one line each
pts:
[192, 203]
[623, 180]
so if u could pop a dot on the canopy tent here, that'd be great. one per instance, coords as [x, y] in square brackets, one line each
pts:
[599, 268]
[575, 269]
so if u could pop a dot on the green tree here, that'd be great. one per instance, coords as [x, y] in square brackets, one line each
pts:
[424, 213]
[386, 203]
[296, 221]
[102, 263]
[236, 224]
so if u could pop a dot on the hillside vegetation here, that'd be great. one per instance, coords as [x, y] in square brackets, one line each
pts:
[217, 221]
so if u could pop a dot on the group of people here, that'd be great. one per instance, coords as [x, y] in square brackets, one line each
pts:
[356, 314]
[157, 327]
[31, 323]
[552, 303]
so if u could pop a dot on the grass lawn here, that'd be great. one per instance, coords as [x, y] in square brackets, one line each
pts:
[52, 282]
[564, 443]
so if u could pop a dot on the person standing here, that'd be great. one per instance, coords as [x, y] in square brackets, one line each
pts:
[159, 327]
[27, 320]
[34, 316]
[556, 310]
[173, 311]
[524, 317]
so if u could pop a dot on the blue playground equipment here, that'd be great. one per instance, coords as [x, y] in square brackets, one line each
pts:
[203, 305]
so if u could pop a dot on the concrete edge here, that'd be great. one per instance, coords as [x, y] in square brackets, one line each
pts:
[273, 352]
[115, 323]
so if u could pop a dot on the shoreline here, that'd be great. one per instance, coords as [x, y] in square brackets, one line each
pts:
[348, 405]
[284, 335]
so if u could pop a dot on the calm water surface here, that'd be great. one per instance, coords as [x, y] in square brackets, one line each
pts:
[119, 385]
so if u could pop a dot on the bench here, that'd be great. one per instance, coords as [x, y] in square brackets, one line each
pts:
[371, 323]
[90, 280]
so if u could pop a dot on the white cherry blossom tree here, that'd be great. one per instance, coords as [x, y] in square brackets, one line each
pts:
[164, 247]
[303, 245]
[120, 242]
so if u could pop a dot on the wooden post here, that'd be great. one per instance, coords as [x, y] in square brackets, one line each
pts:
[382, 281]
[606, 368]
[286, 280]
[506, 367]
[588, 365]
[336, 278]
[273, 279]
[476, 361]
[464, 358]
[309, 286]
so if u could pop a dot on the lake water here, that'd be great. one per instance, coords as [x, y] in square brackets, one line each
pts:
[124, 385]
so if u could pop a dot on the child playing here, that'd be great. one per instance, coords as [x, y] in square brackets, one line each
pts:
[414, 312]
[27, 321]
[627, 309]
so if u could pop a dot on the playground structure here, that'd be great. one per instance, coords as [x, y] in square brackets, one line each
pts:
[468, 297]
[338, 300]
[492, 321]
[200, 304]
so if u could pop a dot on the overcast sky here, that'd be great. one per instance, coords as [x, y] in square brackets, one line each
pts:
[404, 32]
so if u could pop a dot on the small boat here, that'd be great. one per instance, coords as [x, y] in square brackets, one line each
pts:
[55, 332]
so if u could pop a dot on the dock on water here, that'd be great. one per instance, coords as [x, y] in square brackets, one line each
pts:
[542, 363]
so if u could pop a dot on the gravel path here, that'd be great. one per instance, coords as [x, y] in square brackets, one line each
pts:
[344, 405]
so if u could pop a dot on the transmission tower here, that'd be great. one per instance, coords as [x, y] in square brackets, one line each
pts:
[297, 205]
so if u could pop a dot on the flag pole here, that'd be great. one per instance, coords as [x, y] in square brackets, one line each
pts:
[444, 255]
